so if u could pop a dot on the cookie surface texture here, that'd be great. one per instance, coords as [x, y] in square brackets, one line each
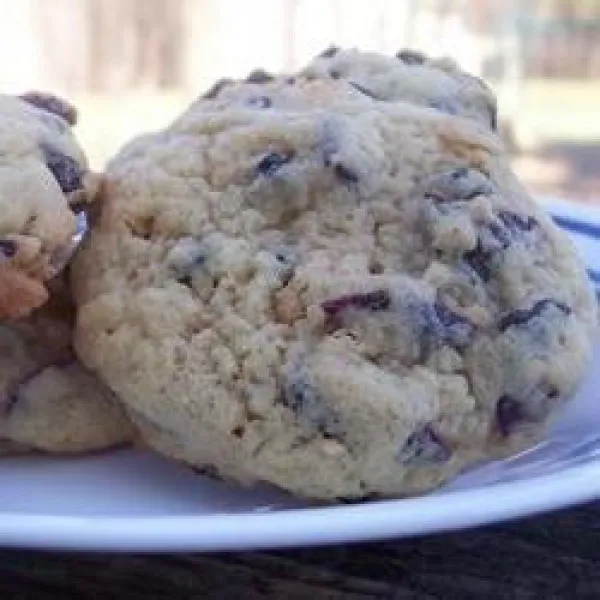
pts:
[411, 77]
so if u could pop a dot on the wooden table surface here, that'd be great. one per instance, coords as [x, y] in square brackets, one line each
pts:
[552, 556]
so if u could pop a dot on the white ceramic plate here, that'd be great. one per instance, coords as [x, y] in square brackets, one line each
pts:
[133, 501]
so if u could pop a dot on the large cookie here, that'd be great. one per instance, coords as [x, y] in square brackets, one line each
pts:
[341, 296]
[48, 400]
[43, 180]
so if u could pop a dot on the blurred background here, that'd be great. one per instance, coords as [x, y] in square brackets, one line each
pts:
[132, 65]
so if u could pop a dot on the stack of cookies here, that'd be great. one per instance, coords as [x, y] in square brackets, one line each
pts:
[330, 281]
[48, 400]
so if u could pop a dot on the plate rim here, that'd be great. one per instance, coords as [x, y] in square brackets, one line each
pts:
[306, 526]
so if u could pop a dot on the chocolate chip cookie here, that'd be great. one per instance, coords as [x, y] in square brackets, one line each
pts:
[44, 180]
[345, 297]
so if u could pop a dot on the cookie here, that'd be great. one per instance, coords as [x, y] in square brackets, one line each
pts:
[344, 297]
[48, 400]
[44, 180]
[410, 76]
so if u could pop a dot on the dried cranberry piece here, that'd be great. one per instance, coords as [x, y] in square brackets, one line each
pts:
[376, 300]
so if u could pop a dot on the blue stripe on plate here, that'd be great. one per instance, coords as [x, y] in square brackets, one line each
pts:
[585, 228]
[578, 226]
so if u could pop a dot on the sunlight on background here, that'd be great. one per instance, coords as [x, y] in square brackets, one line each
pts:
[132, 65]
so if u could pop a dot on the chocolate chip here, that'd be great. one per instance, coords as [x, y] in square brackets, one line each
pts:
[259, 76]
[260, 102]
[290, 80]
[287, 255]
[512, 227]
[435, 325]
[186, 280]
[9, 401]
[411, 57]
[305, 400]
[271, 163]
[522, 317]
[458, 184]
[332, 143]
[359, 499]
[66, 170]
[299, 394]
[424, 446]
[238, 431]
[193, 259]
[334, 74]
[209, 472]
[283, 257]
[456, 330]
[516, 223]
[215, 90]
[8, 248]
[364, 90]
[538, 403]
[345, 173]
[53, 105]
[374, 301]
[479, 259]
[493, 111]
[501, 235]
[329, 52]
[509, 413]
[496, 237]
[287, 259]
[342, 171]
